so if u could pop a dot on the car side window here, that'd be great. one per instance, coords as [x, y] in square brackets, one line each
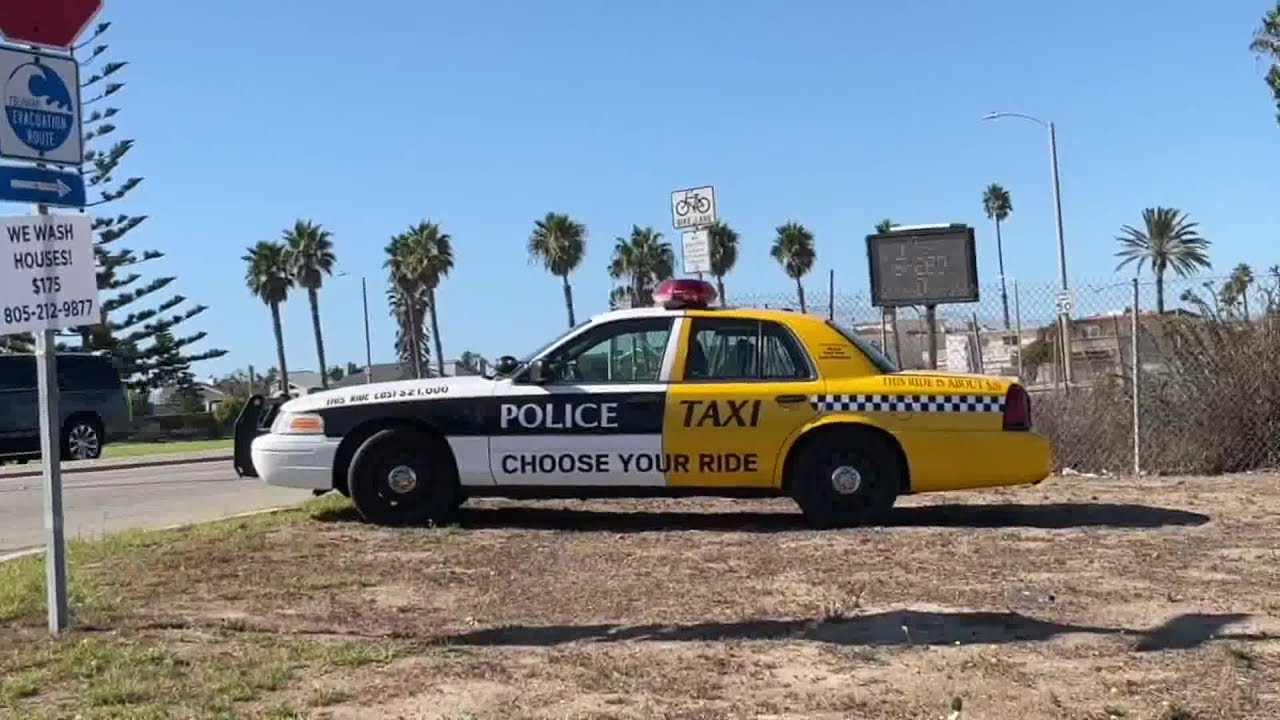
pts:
[781, 355]
[76, 372]
[736, 349]
[624, 351]
[17, 372]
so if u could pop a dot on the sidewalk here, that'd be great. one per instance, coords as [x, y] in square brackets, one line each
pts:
[33, 469]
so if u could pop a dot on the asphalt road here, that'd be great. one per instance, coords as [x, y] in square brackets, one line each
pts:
[109, 500]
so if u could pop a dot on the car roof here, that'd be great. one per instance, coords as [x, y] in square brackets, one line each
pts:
[782, 316]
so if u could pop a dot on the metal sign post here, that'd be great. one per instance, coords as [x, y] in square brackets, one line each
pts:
[55, 546]
[48, 281]
[48, 271]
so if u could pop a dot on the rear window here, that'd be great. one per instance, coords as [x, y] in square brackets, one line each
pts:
[17, 372]
[86, 372]
[877, 358]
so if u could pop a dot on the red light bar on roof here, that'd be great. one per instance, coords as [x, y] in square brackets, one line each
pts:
[675, 294]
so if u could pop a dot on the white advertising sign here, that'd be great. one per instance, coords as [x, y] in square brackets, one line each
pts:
[694, 207]
[697, 251]
[48, 278]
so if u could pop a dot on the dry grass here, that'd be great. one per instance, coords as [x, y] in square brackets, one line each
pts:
[1084, 599]
[1209, 403]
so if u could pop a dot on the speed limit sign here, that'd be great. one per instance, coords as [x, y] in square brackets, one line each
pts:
[1063, 302]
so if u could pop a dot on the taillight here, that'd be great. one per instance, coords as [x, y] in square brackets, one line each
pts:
[1017, 408]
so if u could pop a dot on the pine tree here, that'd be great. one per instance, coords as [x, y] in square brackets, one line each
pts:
[135, 330]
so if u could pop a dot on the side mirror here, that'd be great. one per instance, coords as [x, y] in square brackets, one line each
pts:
[539, 372]
[506, 365]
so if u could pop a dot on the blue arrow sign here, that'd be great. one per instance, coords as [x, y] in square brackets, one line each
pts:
[41, 185]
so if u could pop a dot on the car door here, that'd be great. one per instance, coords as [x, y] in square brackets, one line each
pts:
[743, 391]
[597, 420]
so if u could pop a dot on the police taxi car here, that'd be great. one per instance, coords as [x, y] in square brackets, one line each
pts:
[682, 398]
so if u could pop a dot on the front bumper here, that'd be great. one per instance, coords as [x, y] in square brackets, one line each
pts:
[295, 461]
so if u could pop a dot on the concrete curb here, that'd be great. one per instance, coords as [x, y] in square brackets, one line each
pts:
[20, 554]
[121, 464]
[40, 550]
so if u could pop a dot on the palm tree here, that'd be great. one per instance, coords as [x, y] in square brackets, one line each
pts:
[724, 253]
[409, 308]
[996, 201]
[641, 262]
[1266, 42]
[793, 249]
[1169, 241]
[268, 278]
[558, 242]
[472, 361]
[1236, 288]
[429, 258]
[885, 225]
[310, 256]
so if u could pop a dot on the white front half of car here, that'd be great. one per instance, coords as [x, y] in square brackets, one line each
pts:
[290, 459]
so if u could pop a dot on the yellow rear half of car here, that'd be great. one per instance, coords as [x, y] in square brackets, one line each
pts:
[950, 427]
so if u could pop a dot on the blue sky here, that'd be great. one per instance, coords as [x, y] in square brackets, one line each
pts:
[483, 116]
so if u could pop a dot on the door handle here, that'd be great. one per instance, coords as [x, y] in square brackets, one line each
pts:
[791, 399]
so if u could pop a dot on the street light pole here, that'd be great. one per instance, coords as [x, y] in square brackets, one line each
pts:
[368, 352]
[1064, 315]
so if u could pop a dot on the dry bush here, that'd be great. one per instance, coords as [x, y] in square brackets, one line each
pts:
[1209, 402]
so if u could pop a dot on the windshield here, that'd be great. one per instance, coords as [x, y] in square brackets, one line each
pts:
[544, 347]
[527, 358]
[879, 359]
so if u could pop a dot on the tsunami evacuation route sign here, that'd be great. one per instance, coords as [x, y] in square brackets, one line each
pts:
[41, 97]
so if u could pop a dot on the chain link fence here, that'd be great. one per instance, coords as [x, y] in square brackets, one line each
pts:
[1194, 389]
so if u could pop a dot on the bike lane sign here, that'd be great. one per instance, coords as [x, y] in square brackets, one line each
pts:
[48, 279]
[693, 207]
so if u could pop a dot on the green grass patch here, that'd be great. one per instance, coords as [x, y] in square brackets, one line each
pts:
[128, 449]
[130, 667]
[113, 676]
[97, 569]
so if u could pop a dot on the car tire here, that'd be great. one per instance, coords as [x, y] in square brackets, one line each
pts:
[82, 439]
[402, 476]
[846, 477]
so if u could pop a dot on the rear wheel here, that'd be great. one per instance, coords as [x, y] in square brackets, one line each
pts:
[401, 476]
[846, 477]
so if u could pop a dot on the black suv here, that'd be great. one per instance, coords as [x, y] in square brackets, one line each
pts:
[93, 405]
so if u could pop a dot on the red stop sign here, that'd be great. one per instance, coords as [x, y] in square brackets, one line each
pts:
[53, 23]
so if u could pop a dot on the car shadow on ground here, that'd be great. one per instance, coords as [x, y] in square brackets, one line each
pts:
[1058, 516]
[894, 628]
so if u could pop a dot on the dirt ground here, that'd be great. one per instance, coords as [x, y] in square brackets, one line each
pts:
[1081, 598]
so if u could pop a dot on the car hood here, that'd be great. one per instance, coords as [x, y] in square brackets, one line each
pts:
[397, 391]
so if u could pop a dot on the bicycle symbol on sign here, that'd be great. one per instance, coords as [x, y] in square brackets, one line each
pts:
[693, 201]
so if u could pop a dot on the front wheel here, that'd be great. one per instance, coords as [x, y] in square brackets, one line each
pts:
[82, 439]
[401, 476]
[846, 477]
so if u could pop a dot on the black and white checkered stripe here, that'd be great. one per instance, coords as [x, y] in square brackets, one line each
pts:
[908, 403]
